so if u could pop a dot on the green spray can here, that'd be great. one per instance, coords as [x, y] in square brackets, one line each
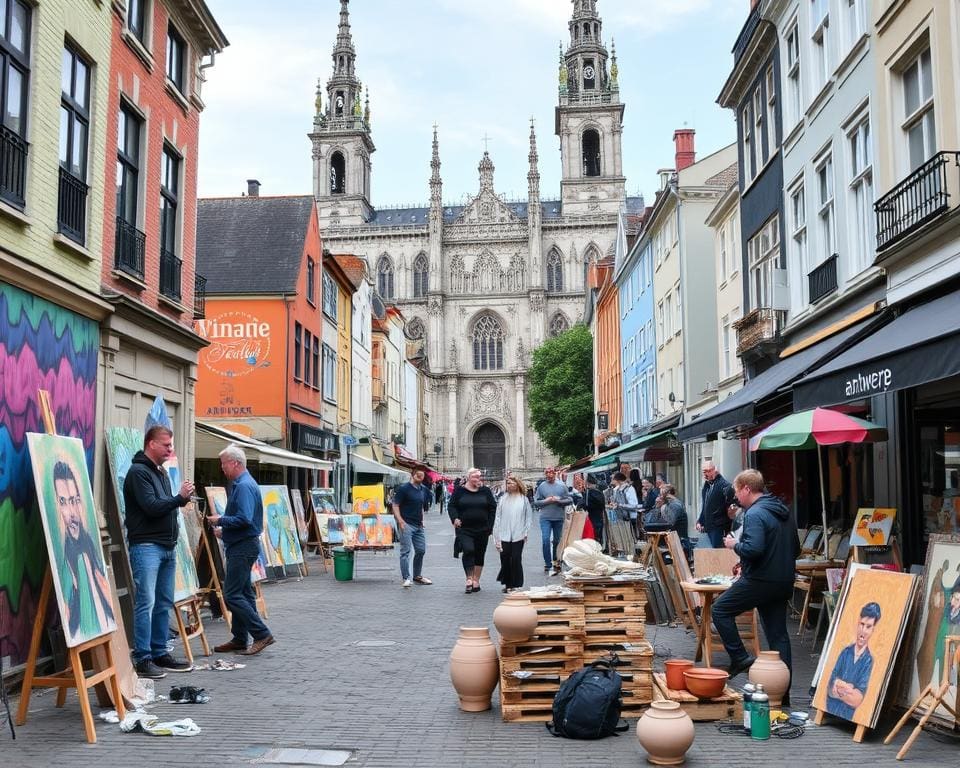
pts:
[748, 691]
[760, 715]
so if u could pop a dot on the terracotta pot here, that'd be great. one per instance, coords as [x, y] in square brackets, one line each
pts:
[773, 673]
[706, 683]
[666, 733]
[515, 618]
[675, 669]
[474, 668]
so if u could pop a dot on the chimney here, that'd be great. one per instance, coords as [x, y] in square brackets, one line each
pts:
[685, 154]
[253, 188]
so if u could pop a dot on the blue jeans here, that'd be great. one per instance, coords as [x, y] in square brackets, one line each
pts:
[550, 550]
[716, 536]
[412, 537]
[770, 598]
[154, 570]
[238, 592]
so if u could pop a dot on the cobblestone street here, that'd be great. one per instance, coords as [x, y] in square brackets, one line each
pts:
[324, 685]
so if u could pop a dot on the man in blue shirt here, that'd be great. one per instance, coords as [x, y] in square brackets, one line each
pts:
[409, 502]
[851, 673]
[240, 527]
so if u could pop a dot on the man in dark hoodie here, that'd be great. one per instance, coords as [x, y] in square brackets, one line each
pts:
[768, 549]
[152, 520]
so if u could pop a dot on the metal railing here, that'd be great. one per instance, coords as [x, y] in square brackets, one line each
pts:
[170, 269]
[823, 279]
[129, 248]
[920, 197]
[72, 206]
[199, 297]
[13, 167]
[757, 327]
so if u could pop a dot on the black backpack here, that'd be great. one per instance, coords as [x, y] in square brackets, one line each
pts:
[587, 706]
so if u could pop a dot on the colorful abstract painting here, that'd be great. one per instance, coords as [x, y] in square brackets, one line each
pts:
[331, 528]
[377, 531]
[217, 501]
[872, 527]
[281, 540]
[367, 499]
[351, 529]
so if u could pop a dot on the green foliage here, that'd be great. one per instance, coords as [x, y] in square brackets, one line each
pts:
[561, 393]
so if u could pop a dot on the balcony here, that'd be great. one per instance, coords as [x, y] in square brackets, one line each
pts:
[758, 332]
[170, 269]
[378, 390]
[72, 206]
[823, 280]
[129, 249]
[13, 168]
[921, 197]
[199, 297]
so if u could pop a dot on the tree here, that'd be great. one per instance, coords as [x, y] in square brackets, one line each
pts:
[561, 393]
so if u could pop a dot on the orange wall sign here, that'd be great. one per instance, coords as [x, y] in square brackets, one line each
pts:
[242, 370]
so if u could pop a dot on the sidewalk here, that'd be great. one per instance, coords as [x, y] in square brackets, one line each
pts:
[362, 666]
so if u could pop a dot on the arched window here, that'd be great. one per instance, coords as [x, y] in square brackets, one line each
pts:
[415, 329]
[558, 324]
[385, 277]
[554, 271]
[338, 174]
[487, 274]
[457, 275]
[591, 153]
[487, 340]
[591, 255]
[421, 281]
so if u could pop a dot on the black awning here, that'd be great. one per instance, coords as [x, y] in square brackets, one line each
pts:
[740, 408]
[921, 345]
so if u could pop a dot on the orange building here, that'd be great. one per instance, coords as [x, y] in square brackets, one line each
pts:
[607, 371]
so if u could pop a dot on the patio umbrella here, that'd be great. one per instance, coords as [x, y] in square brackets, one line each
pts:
[817, 427]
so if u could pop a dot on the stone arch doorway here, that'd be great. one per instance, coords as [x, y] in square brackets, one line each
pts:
[490, 451]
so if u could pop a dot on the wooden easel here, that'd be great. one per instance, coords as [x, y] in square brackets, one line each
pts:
[858, 734]
[681, 568]
[194, 629]
[261, 603]
[889, 554]
[74, 676]
[667, 576]
[314, 539]
[213, 586]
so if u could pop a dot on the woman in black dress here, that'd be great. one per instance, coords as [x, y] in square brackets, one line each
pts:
[472, 511]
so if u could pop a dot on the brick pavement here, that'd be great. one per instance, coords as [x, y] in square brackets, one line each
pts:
[394, 704]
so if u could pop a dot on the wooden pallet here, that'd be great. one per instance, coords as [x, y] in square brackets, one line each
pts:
[540, 664]
[527, 713]
[729, 706]
[536, 682]
[617, 609]
[530, 697]
[550, 646]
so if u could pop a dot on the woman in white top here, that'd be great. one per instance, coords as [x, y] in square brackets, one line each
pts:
[510, 530]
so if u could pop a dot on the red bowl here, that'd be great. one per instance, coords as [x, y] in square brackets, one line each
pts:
[706, 683]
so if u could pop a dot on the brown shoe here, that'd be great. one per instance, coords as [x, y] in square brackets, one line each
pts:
[229, 646]
[258, 645]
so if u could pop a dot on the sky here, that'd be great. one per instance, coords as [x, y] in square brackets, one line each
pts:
[474, 68]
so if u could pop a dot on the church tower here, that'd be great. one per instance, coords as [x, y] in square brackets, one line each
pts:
[589, 119]
[341, 139]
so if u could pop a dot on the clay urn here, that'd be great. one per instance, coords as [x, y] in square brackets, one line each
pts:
[515, 618]
[666, 733]
[474, 668]
[675, 669]
[770, 670]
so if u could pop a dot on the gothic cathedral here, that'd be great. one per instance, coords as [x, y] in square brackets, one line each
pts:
[481, 285]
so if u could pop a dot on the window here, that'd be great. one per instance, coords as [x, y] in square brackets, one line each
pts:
[421, 279]
[137, 18]
[74, 132]
[762, 152]
[329, 374]
[338, 174]
[825, 213]
[854, 14]
[316, 362]
[311, 280]
[330, 296]
[725, 336]
[763, 255]
[169, 200]
[660, 332]
[722, 250]
[678, 324]
[861, 197]
[668, 317]
[558, 324]
[798, 245]
[820, 42]
[297, 350]
[555, 272]
[385, 277]
[919, 123]
[128, 165]
[15, 18]
[591, 153]
[734, 240]
[749, 161]
[794, 92]
[307, 346]
[487, 338]
[176, 55]
[771, 118]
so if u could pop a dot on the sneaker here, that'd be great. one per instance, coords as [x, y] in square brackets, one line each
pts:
[146, 668]
[407, 583]
[170, 664]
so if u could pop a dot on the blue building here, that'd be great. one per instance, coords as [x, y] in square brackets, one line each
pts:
[638, 355]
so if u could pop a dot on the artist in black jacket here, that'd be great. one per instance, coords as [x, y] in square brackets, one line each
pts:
[715, 498]
[472, 511]
[151, 515]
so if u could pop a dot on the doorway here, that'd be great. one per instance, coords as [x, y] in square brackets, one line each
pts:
[490, 451]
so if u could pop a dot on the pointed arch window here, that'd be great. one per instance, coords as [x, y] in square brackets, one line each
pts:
[591, 152]
[487, 340]
[554, 271]
[385, 277]
[558, 324]
[421, 280]
[338, 174]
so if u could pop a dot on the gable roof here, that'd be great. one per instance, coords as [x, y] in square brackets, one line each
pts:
[252, 245]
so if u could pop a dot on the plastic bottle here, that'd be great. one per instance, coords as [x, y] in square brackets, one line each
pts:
[748, 691]
[760, 715]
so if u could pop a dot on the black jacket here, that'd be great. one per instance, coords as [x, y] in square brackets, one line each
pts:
[714, 500]
[151, 509]
[768, 546]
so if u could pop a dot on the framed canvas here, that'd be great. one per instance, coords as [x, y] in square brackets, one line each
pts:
[217, 501]
[280, 537]
[77, 564]
[812, 539]
[300, 515]
[367, 500]
[872, 527]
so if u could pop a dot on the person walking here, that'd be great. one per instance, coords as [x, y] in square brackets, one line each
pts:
[152, 520]
[768, 549]
[472, 511]
[511, 527]
[410, 501]
[594, 505]
[240, 527]
[550, 499]
[716, 496]
[624, 499]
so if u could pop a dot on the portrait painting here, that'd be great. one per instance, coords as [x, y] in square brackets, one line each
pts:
[77, 564]
[868, 631]
[280, 537]
[872, 527]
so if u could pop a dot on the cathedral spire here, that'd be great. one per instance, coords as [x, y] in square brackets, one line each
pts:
[486, 172]
[344, 39]
[533, 175]
[436, 184]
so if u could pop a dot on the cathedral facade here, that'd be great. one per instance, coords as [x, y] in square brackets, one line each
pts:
[482, 285]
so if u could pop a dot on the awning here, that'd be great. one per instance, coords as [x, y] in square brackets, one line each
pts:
[740, 407]
[920, 346]
[363, 464]
[211, 439]
[631, 451]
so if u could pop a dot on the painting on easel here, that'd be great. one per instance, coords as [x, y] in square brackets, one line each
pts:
[279, 528]
[872, 527]
[72, 533]
[300, 515]
[217, 499]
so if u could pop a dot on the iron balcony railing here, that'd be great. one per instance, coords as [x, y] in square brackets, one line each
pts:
[129, 248]
[72, 206]
[760, 326]
[919, 198]
[199, 297]
[170, 269]
[13, 167]
[823, 280]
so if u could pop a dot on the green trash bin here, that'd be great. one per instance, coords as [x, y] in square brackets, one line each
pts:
[342, 564]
